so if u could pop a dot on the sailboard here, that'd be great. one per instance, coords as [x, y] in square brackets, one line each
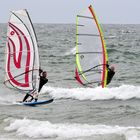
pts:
[91, 53]
[22, 56]
[42, 102]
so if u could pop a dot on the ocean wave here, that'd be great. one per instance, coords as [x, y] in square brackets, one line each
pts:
[124, 92]
[9, 96]
[46, 129]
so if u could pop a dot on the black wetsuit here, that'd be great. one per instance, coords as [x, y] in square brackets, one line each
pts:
[26, 96]
[43, 81]
[110, 75]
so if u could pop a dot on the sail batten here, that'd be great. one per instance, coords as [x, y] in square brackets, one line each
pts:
[22, 58]
[88, 35]
[91, 54]
[87, 52]
[81, 16]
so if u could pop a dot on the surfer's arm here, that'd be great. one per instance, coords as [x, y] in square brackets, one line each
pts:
[40, 71]
[107, 65]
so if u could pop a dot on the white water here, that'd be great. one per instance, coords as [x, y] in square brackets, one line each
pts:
[46, 129]
[124, 92]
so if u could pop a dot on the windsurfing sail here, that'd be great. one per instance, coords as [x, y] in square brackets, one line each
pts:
[22, 58]
[91, 53]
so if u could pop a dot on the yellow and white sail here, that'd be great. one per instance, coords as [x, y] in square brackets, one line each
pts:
[91, 53]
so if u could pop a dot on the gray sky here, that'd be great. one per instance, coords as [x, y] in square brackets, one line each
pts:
[64, 11]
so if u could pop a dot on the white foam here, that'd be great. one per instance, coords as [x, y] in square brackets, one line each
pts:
[123, 92]
[9, 96]
[45, 129]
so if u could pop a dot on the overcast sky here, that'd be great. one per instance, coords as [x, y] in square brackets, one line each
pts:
[64, 11]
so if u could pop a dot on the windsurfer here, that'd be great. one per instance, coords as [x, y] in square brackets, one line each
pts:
[34, 94]
[111, 73]
[43, 80]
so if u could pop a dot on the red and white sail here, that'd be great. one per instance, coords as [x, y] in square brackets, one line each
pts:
[22, 58]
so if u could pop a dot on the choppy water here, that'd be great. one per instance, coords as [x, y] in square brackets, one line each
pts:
[77, 113]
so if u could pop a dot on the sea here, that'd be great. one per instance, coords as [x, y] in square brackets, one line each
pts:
[77, 113]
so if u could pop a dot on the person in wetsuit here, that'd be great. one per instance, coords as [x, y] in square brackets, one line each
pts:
[34, 94]
[111, 73]
[43, 80]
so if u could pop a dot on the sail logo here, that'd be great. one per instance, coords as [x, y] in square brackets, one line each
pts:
[18, 57]
[12, 33]
[81, 56]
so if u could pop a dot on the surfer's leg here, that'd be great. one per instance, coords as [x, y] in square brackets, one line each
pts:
[25, 98]
[30, 99]
[29, 94]
[36, 96]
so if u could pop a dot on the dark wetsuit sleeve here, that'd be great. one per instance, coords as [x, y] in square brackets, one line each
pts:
[107, 66]
[40, 71]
